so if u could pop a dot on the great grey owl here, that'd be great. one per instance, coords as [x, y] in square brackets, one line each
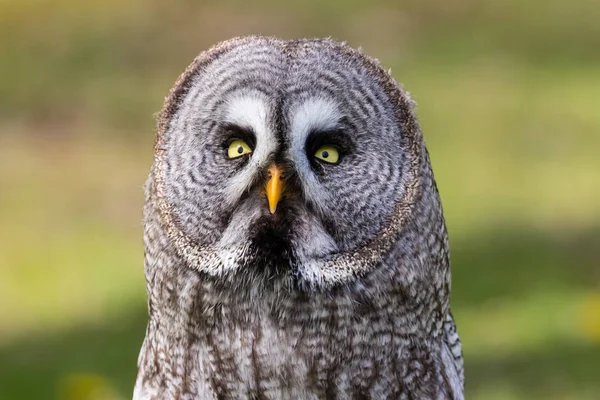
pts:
[295, 246]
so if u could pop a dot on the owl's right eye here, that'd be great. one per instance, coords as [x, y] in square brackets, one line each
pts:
[238, 148]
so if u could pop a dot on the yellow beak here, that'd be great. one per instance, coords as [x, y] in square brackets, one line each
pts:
[274, 188]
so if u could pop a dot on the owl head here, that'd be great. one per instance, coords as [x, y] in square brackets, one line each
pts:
[292, 161]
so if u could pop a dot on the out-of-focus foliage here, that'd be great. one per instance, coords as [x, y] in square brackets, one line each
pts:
[507, 95]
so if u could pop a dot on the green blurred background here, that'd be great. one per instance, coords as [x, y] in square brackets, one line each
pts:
[508, 95]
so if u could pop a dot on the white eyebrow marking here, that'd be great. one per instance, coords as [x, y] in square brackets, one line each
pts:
[314, 114]
[250, 110]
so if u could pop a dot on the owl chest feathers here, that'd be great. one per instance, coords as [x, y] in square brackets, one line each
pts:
[295, 353]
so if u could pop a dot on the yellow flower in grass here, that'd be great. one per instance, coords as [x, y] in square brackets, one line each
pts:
[87, 387]
[589, 317]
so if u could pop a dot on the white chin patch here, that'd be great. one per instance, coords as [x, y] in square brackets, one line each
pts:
[312, 240]
[309, 240]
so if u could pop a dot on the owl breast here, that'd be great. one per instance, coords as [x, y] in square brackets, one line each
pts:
[331, 354]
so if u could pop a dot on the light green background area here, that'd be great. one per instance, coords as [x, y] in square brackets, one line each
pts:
[508, 97]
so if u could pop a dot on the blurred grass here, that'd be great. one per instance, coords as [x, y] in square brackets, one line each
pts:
[507, 95]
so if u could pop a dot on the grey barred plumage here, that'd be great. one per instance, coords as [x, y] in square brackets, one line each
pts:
[341, 290]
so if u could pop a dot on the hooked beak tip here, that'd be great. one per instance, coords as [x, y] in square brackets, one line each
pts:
[272, 208]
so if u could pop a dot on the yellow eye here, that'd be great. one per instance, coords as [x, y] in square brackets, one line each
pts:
[328, 153]
[238, 148]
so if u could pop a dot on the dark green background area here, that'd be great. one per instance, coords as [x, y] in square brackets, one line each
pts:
[507, 95]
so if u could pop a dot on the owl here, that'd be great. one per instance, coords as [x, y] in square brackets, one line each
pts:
[295, 245]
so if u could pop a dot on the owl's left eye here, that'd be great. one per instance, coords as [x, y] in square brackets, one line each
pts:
[328, 153]
[238, 148]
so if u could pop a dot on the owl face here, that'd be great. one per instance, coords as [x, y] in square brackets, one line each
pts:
[283, 160]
